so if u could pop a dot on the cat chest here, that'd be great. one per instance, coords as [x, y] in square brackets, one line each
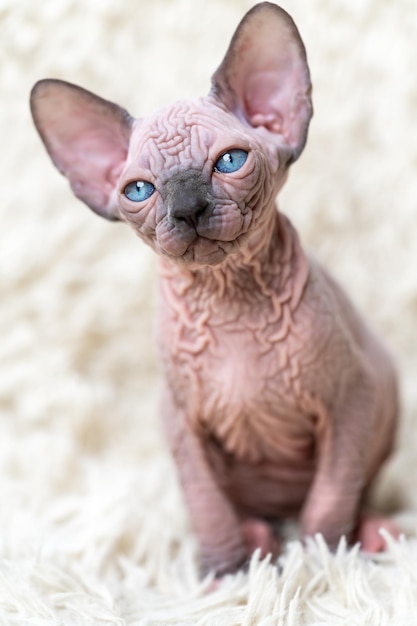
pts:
[243, 390]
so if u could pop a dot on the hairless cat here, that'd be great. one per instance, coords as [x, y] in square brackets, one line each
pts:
[278, 401]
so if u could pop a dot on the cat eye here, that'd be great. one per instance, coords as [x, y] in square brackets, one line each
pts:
[138, 190]
[230, 161]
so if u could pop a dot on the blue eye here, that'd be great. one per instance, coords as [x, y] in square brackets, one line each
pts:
[230, 161]
[138, 190]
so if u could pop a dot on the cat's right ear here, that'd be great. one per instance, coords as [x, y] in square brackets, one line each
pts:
[86, 137]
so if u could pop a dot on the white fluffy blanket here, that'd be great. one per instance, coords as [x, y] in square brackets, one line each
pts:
[92, 524]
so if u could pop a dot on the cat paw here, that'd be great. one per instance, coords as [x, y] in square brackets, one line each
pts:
[368, 534]
[259, 534]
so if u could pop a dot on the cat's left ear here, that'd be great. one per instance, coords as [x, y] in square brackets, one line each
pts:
[264, 77]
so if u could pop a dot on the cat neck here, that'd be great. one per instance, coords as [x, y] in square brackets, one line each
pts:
[270, 264]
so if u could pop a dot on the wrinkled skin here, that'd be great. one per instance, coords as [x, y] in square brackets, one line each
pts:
[278, 399]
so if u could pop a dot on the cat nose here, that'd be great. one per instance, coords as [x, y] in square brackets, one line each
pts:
[188, 199]
[190, 210]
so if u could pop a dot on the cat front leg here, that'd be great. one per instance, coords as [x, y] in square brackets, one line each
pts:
[215, 522]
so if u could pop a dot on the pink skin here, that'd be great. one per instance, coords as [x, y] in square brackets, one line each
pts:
[278, 401]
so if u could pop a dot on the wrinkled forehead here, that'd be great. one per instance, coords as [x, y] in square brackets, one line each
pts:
[183, 135]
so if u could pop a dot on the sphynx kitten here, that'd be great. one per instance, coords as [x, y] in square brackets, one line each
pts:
[278, 399]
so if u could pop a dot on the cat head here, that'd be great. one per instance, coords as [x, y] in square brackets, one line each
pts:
[196, 178]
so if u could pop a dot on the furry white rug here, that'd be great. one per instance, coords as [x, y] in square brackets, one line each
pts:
[92, 525]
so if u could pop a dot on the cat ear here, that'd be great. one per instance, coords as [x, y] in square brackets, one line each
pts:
[264, 77]
[86, 137]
